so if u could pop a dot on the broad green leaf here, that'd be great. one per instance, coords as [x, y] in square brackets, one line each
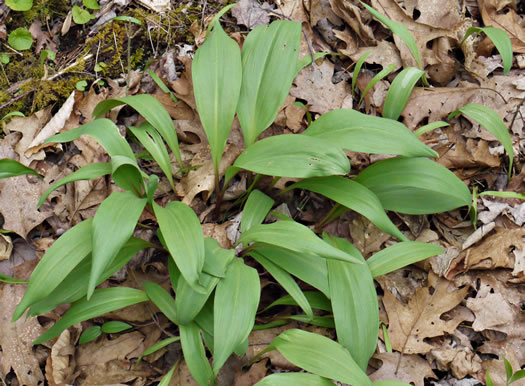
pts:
[295, 156]
[217, 74]
[354, 304]
[319, 355]
[162, 299]
[87, 172]
[113, 225]
[184, 239]
[399, 92]
[115, 326]
[20, 39]
[357, 69]
[103, 301]
[11, 168]
[189, 302]
[519, 196]
[152, 141]
[431, 126]
[415, 186]
[91, 4]
[359, 132]
[102, 130]
[81, 16]
[205, 321]
[152, 111]
[216, 259]
[157, 346]
[90, 334]
[286, 281]
[195, 355]
[127, 174]
[400, 255]
[272, 324]
[399, 30]
[128, 19]
[500, 39]
[162, 85]
[353, 196]
[315, 299]
[235, 306]
[269, 57]
[309, 268]
[295, 237]
[75, 285]
[491, 121]
[508, 369]
[255, 210]
[320, 321]
[294, 379]
[11, 280]
[56, 264]
[516, 376]
[19, 5]
[166, 379]
[380, 75]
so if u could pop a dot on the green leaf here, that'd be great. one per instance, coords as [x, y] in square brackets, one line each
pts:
[399, 92]
[115, 326]
[286, 281]
[269, 57]
[91, 4]
[20, 39]
[309, 268]
[152, 111]
[75, 285]
[519, 196]
[113, 225]
[380, 75]
[386, 338]
[81, 85]
[255, 210]
[189, 302]
[217, 74]
[56, 264]
[103, 301]
[295, 156]
[501, 41]
[398, 29]
[488, 380]
[431, 126]
[205, 321]
[415, 186]
[47, 54]
[216, 259]
[127, 174]
[400, 255]
[295, 237]
[508, 369]
[166, 379]
[517, 375]
[294, 379]
[315, 299]
[12, 113]
[90, 334]
[11, 280]
[354, 304]
[307, 60]
[353, 196]
[87, 172]
[319, 355]
[157, 346]
[152, 141]
[195, 355]
[357, 69]
[128, 19]
[4, 59]
[19, 5]
[184, 239]
[235, 306]
[81, 16]
[11, 168]
[103, 131]
[359, 132]
[162, 299]
[320, 321]
[491, 121]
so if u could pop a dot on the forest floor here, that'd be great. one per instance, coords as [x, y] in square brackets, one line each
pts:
[449, 319]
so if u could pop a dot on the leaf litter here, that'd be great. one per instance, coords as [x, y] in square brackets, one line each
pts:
[449, 319]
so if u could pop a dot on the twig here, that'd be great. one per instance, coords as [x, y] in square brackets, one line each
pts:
[65, 70]
[16, 99]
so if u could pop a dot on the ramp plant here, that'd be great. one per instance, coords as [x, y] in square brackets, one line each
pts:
[216, 292]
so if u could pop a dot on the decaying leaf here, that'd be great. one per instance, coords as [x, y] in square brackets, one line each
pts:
[407, 368]
[252, 14]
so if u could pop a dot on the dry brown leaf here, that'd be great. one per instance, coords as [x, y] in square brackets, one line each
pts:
[182, 376]
[16, 338]
[405, 368]
[61, 362]
[104, 349]
[435, 13]
[366, 236]
[18, 200]
[384, 53]
[255, 373]
[314, 84]
[251, 13]
[351, 14]
[461, 361]
[6, 247]
[508, 20]
[410, 324]
[43, 38]
[512, 348]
